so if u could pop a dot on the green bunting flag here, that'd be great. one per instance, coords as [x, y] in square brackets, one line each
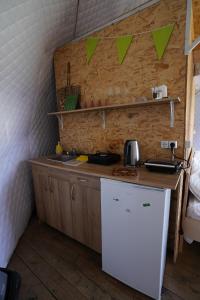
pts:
[161, 38]
[123, 44]
[91, 44]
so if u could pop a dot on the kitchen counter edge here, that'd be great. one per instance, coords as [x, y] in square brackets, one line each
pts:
[144, 177]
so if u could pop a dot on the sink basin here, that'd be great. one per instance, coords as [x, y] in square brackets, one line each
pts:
[61, 158]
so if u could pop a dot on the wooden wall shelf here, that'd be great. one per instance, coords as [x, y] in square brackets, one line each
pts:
[102, 109]
[116, 106]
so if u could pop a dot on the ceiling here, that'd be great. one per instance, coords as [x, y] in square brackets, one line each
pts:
[73, 19]
[94, 14]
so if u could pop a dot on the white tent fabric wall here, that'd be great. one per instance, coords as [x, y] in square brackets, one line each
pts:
[197, 124]
[30, 30]
[93, 14]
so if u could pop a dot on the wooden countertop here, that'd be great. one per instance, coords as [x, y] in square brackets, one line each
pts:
[143, 177]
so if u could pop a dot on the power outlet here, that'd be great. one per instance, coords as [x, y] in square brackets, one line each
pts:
[167, 144]
[175, 143]
[164, 144]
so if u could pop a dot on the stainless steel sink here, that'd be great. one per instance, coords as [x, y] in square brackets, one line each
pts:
[61, 158]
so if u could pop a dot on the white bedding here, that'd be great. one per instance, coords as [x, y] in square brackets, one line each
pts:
[195, 184]
[195, 176]
[193, 210]
[196, 162]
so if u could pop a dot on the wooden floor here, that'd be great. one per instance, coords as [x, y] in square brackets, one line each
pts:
[54, 266]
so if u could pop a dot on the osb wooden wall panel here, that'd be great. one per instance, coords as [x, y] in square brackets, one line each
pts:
[196, 17]
[190, 87]
[190, 100]
[106, 81]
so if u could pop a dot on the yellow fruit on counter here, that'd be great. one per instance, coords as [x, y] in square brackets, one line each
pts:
[82, 158]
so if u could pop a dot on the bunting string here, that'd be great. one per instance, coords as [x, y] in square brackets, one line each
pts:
[134, 34]
[160, 37]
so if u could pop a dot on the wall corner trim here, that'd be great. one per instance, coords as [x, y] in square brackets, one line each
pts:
[189, 46]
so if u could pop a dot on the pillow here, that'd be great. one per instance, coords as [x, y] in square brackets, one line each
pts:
[195, 184]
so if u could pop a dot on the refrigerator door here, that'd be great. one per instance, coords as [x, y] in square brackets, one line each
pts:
[134, 234]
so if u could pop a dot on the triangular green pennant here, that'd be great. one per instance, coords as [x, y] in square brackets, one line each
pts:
[91, 44]
[123, 44]
[161, 38]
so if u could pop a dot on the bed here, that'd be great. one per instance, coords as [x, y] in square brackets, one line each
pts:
[191, 203]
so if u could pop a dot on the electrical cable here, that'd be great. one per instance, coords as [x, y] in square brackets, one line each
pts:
[172, 145]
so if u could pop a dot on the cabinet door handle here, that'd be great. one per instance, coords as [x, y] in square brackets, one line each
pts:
[72, 192]
[116, 199]
[83, 180]
[50, 185]
[128, 210]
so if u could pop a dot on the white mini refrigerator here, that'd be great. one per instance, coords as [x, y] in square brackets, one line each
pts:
[134, 234]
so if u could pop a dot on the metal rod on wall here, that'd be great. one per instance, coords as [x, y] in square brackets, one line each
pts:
[76, 20]
[171, 113]
[103, 116]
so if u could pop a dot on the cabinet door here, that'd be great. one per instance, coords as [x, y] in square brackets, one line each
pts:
[60, 206]
[46, 196]
[134, 234]
[93, 218]
[87, 212]
[40, 181]
[52, 204]
[65, 203]
[79, 210]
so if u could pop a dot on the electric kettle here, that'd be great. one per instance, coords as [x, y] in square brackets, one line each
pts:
[131, 153]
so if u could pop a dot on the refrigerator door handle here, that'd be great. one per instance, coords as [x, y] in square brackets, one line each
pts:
[116, 199]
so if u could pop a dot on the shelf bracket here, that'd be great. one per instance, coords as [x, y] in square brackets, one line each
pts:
[103, 118]
[60, 120]
[171, 114]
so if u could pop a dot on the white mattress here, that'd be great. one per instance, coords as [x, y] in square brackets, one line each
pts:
[196, 162]
[193, 210]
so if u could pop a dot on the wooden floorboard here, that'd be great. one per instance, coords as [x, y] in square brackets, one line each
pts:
[32, 288]
[53, 266]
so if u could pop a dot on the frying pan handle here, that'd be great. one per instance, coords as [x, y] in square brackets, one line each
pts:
[126, 146]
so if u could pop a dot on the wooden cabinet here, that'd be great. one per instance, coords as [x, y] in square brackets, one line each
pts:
[69, 203]
[41, 189]
[52, 205]
[87, 212]
[64, 187]
[94, 219]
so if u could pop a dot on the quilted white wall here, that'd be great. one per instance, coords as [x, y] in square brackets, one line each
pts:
[29, 32]
[93, 14]
[197, 124]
